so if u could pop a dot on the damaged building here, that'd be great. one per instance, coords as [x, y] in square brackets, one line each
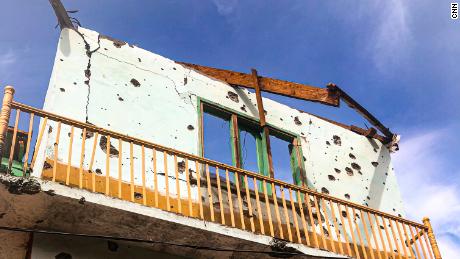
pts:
[125, 159]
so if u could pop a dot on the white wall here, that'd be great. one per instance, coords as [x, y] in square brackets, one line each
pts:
[164, 105]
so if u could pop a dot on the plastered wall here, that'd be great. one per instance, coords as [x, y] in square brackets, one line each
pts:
[121, 87]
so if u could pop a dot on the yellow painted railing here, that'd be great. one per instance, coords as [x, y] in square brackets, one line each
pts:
[209, 190]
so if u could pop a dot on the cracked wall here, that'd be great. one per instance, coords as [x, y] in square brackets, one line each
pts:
[121, 87]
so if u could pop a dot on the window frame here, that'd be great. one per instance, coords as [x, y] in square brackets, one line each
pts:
[237, 121]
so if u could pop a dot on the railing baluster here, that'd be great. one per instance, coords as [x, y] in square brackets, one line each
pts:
[294, 216]
[267, 207]
[198, 184]
[382, 240]
[189, 193]
[388, 236]
[176, 172]
[29, 138]
[82, 159]
[374, 235]
[331, 239]
[259, 211]
[230, 200]
[248, 199]
[318, 215]
[13, 140]
[407, 243]
[312, 221]
[366, 234]
[395, 238]
[144, 191]
[358, 231]
[69, 157]
[107, 166]
[286, 215]
[277, 211]
[417, 242]
[56, 146]
[349, 252]
[240, 203]
[350, 225]
[336, 226]
[211, 203]
[120, 167]
[428, 248]
[93, 174]
[165, 167]
[413, 242]
[219, 195]
[155, 176]
[401, 238]
[131, 169]
[302, 217]
[39, 141]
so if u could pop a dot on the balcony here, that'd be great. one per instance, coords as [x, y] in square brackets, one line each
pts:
[82, 156]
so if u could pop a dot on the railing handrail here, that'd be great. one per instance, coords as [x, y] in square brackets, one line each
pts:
[199, 159]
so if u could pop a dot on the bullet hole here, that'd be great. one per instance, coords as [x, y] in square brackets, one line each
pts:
[328, 143]
[137, 195]
[337, 140]
[281, 119]
[351, 148]
[368, 197]
[120, 99]
[139, 59]
[375, 164]
[352, 156]
[394, 209]
[112, 246]
[185, 80]
[383, 183]
[337, 170]
[243, 108]
[103, 144]
[324, 190]
[399, 215]
[62, 89]
[304, 158]
[74, 83]
[98, 171]
[310, 122]
[82, 200]
[355, 166]
[347, 195]
[331, 177]
[349, 171]
[162, 69]
[105, 49]
[297, 121]
[88, 134]
[375, 150]
[47, 165]
[61, 59]
[174, 68]
[63, 255]
[135, 83]
[181, 166]
[344, 214]
[190, 127]
[381, 227]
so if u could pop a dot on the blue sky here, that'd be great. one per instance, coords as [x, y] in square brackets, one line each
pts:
[399, 59]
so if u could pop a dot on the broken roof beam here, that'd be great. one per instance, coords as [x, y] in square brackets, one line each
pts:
[336, 91]
[276, 86]
[61, 14]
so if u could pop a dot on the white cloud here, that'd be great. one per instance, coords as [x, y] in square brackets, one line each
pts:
[429, 188]
[7, 58]
[225, 7]
[389, 42]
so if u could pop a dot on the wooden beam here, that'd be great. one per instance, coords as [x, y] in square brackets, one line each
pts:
[61, 14]
[263, 124]
[276, 86]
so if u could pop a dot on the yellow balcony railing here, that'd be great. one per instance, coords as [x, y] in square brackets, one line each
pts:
[194, 186]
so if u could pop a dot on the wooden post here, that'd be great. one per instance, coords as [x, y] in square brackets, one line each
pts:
[5, 115]
[263, 123]
[434, 245]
